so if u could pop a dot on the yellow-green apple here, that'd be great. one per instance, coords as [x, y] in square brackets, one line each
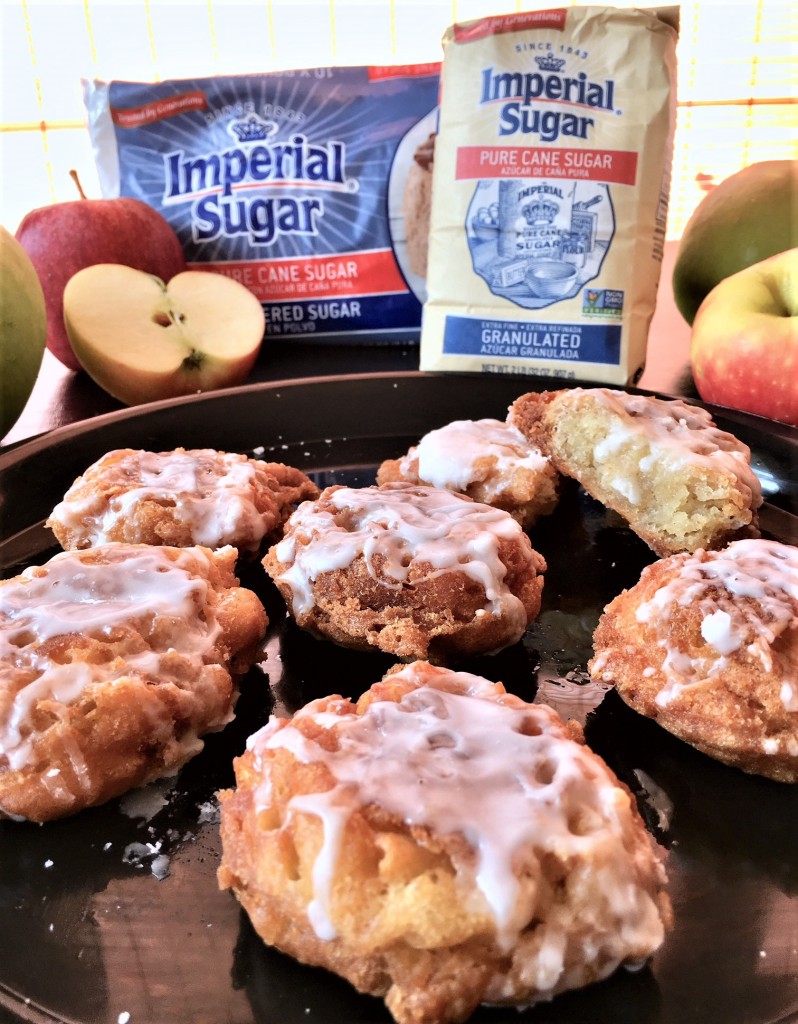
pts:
[142, 340]
[744, 347]
[749, 216]
[23, 329]
[63, 238]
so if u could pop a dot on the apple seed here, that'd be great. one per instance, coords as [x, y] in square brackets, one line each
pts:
[167, 319]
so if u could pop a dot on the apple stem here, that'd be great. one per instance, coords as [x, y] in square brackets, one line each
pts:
[73, 174]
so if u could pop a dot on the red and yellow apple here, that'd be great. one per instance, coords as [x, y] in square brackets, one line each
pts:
[744, 345]
[749, 216]
[141, 339]
[66, 237]
[23, 329]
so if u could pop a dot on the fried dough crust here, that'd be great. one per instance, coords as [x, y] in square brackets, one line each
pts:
[408, 919]
[679, 481]
[488, 460]
[99, 695]
[179, 498]
[386, 593]
[733, 696]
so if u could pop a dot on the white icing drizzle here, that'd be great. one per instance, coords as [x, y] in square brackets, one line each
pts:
[718, 630]
[333, 808]
[682, 433]
[62, 684]
[92, 594]
[449, 457]
[789, 695]
[405, 524]
[747, 595]
[502, 775]
[211, 493]
[628, 488]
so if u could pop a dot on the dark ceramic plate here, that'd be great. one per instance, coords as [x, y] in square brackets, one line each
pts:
[89, 932]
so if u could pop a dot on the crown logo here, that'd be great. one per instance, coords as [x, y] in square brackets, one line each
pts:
[543, 211]
[252, 129]
[550, 63]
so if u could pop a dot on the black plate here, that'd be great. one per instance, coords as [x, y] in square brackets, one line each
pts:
[89, 933]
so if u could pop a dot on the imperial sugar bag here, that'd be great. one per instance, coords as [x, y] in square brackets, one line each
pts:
[295, 183]
[549, 193]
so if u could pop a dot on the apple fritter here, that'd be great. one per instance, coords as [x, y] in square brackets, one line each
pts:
[441, 844]
[707, 645]
[679, 481]
[113, 662]
[489, 460]
[179, 498]
[417, 572]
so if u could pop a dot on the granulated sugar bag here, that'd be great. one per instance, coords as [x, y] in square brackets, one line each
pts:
[304, 185]
[550, 193]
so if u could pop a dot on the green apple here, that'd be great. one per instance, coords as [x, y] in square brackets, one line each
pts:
[744, 346]
[23, 329]
[142, 340]
[746, 218]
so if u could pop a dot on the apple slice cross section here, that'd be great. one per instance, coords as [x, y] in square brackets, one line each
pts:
[142, 340]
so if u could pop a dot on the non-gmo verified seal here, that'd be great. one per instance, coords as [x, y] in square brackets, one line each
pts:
[602, 302]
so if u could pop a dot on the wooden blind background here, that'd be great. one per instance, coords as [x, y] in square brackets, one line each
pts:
[737, 93]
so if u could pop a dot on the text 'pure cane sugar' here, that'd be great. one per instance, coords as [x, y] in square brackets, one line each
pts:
[550, 193]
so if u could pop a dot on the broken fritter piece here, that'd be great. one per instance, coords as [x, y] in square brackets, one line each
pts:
[679, 481]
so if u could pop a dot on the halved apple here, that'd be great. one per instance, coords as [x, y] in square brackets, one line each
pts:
[142, 340]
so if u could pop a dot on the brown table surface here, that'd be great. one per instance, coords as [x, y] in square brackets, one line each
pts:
[61, 396]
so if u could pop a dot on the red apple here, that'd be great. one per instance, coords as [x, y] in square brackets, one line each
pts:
[66, 237]
[744, 348]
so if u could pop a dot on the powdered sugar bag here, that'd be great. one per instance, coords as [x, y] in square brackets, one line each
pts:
[292, 182]
[549, 194]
